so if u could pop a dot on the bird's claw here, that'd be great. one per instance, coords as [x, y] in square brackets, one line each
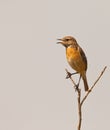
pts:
[68, 75]
[76, 87]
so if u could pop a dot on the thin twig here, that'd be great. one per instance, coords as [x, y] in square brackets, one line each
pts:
[93, 85]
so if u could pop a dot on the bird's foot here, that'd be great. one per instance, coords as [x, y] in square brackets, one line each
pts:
[70, 74]
[76, 87]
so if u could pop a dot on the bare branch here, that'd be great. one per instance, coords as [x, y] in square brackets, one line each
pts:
[79, 109]
[93, 85]
[80, 103]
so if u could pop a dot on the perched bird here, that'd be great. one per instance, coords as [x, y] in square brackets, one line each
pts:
[75, 57]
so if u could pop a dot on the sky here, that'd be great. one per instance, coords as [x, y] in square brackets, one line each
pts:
[34, 94]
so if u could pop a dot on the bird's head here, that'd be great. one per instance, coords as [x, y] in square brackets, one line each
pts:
[67, 41]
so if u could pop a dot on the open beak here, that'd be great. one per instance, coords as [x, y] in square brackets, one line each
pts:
[60, 41]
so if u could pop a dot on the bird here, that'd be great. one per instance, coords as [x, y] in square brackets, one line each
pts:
[76, 58]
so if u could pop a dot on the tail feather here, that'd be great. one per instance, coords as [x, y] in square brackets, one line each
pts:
[86, 87]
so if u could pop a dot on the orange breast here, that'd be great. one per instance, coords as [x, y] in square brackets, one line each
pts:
[75, 60]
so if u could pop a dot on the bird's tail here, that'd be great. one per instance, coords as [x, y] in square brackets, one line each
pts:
[86, 87]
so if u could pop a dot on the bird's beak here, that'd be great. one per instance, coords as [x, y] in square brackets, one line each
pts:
[60, 41]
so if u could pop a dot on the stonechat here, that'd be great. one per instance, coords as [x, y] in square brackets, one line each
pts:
[75, 57]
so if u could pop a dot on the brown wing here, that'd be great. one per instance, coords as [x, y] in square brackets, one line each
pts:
[83, 57]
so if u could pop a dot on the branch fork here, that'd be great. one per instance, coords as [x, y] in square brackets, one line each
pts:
[80, 102]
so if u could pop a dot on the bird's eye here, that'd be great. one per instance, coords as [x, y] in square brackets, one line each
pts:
[67, 39]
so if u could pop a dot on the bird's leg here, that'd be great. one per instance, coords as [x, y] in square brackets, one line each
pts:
[77, 86]
[70, 74]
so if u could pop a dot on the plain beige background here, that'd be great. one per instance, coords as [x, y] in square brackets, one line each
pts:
[34, 94]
